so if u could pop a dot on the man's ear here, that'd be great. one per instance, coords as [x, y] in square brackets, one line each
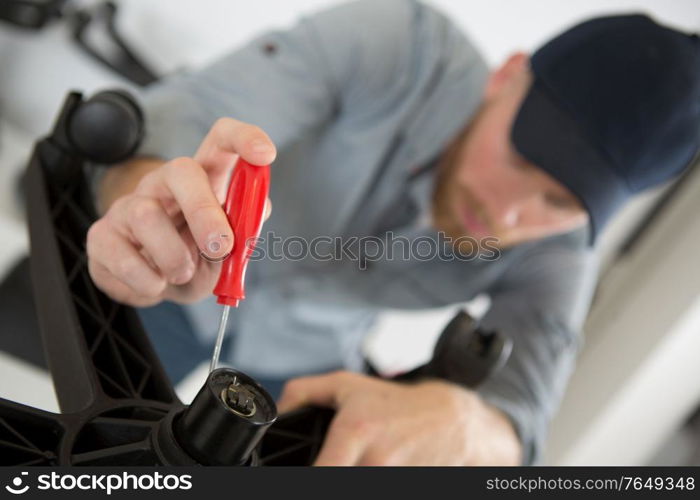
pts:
[515, 65]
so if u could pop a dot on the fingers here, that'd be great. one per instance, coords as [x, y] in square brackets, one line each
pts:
[228, 138]
[189, 188]
[343, 446]
[189, 185]
[344, 443]
[125, 264]
[116, 289]
[346, 439]
[159, 237]
[321, 390]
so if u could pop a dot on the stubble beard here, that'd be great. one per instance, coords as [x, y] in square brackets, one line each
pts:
[447, 191]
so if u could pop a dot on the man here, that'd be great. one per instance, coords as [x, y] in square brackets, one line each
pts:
[386, 118]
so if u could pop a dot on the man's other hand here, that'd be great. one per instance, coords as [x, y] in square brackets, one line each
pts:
[381, 422]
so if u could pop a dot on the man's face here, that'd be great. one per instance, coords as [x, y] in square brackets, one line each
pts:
[485, 188]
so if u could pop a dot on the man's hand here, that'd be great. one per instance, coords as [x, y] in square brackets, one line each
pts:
[380, 422]
[160, 216]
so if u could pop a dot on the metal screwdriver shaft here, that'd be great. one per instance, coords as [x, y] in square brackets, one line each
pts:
[219, 338]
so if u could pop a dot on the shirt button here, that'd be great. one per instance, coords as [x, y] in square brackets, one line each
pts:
[270, 48]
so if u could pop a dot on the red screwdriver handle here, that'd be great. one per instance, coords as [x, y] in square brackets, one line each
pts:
[245, 209]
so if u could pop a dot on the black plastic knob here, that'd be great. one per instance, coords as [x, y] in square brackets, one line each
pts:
[107, 128]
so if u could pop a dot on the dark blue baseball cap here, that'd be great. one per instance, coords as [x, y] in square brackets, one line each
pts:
[614, 108]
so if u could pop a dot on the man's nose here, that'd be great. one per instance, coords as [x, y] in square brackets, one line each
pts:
[507, 215]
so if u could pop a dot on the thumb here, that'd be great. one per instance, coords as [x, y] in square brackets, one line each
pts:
[320, 390]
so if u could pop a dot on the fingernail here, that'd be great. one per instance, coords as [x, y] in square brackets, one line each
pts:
[259, 146]
[215, 245]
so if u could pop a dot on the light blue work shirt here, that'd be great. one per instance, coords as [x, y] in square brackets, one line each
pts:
[357, 98]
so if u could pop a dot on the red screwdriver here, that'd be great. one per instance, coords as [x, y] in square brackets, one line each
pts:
[245, 209]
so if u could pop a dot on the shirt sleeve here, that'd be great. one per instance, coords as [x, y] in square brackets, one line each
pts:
[285, 81]
[540, 302]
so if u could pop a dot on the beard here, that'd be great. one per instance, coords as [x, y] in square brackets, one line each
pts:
[448, 194]
[445, 190]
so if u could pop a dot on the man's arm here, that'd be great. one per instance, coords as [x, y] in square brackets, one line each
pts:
[540, 302]
[338, 60]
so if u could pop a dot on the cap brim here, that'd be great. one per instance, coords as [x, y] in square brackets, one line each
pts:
[546, 135]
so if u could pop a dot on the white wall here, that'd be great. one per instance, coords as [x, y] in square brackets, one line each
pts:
[172, 34]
